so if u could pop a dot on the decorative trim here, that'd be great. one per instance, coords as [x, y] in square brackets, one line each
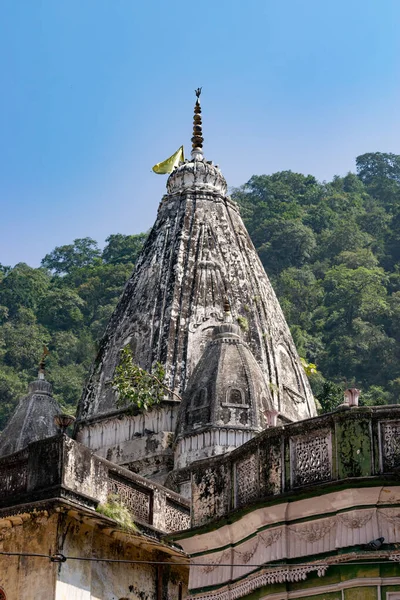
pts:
[270, 538]
[313, 532]
[395, 557]
[267, 577]
[226, 555]
[389, 516]
[266, 539]
[353, 521]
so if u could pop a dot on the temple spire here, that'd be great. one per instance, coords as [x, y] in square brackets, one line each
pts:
[197, 139]
[42, 364]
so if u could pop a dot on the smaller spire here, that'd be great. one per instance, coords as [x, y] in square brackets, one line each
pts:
[197, 139]
[42, 364]
[227, 310]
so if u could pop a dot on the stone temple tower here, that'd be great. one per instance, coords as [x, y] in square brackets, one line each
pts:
[197, 254]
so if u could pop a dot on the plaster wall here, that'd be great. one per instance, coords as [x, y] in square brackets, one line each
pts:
[92, 580]
[25, 578]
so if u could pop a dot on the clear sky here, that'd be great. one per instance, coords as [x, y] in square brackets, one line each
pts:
[94, 92]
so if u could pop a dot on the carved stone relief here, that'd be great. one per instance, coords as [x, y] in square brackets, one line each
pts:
[311, 458]
[246, 480]
[390, 436]
[313, 532]
[356, 520]
[137, 501]
[175, 517]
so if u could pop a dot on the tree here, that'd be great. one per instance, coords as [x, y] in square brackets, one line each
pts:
[355, 293]
[23, 340]
[64, 259]
[61, 309]
[289, 244]
[122, 249]
[24, 287]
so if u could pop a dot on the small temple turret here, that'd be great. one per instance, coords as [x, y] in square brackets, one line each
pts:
[33, 418]
[225, 403]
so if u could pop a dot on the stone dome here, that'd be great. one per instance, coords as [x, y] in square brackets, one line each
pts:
[197, 175]
[226, 393]
[32, 419]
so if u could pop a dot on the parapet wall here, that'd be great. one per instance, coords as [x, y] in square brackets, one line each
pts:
[360, 444]
[60, 468]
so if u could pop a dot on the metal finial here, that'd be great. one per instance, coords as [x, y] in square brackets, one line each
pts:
[42, 364]
[197, 139]
[227, 306]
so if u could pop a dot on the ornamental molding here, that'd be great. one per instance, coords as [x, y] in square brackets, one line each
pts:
[268, 577]
[213, 564]
[395, 557]
[265, 539]
[246, 555]
[270, 538]
[391, 515]
[313, 532]
[355, 520]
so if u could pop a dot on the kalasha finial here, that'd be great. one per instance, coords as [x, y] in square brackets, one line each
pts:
[197, 139]
[227, 306]
[42, 364]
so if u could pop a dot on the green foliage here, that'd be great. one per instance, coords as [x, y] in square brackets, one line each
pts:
[136, 387]
[116, 510]
[122, 249]
[332, 251]
[243, 322]
[66, 305]
[65, 259]
[330, 396]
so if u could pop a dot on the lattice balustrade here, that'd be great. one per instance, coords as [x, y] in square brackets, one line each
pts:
[137, 500]
[177, 517]
[311, 458]
[390, 436]
[246, 480]
[13, 474]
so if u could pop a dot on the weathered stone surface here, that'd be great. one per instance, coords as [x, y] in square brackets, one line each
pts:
[60, 467]
[225, 399]
[198, 253]
[311, 456]
[32, 420]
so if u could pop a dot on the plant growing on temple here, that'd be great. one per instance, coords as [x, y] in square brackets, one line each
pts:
[309, 368]
[140, 388]
[116, 510]
[243, 323]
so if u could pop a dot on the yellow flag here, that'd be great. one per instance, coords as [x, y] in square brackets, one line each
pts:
[167, 166]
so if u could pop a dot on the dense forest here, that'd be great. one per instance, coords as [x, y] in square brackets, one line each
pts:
[331, 249]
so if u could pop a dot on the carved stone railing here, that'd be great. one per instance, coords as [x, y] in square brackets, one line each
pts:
[348, 444]
[60, 468]
[14, 474]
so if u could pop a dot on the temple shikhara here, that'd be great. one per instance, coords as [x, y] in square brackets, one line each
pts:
[232, 486]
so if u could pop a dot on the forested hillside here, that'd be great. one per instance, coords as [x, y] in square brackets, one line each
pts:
[332, 251]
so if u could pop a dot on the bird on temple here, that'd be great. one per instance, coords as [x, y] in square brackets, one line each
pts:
[374, 545]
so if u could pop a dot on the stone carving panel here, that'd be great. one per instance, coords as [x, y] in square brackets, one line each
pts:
[246, 480]
[13, 474]
[176, 517]
[390, 436]
[311, 458]
[138, 501]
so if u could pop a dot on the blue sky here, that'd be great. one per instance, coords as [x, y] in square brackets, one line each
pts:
[94, 92]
